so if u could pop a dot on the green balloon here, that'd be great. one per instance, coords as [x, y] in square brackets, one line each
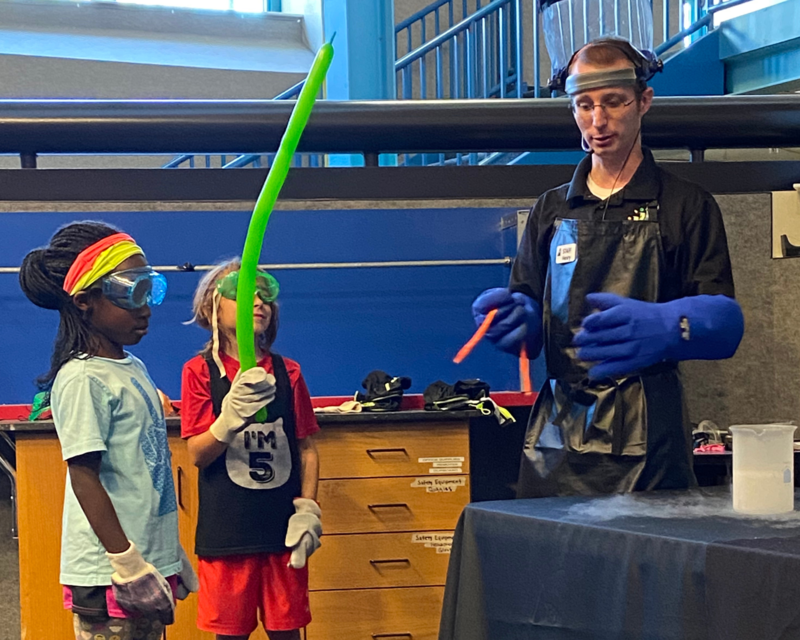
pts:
[246, 289]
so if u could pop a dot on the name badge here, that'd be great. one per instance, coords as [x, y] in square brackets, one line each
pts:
[566, 253]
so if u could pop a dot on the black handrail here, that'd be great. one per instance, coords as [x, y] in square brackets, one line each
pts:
[150, 127]
[291, 92]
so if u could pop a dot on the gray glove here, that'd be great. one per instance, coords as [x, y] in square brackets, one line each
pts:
[187, 578]
[139, 587]
[305, 528]
[251, 390]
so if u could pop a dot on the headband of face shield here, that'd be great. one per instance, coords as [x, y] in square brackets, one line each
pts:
[266, 286]
[134, 288]
[645, 66]
[266, 289]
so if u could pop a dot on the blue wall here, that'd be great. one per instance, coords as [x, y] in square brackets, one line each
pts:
[338, 323]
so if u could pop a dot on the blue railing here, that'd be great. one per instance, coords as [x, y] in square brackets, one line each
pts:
[250, 160]
[481, 56]
[477, 57]
[704, 20]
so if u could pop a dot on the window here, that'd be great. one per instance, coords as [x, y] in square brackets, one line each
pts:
[243, 6]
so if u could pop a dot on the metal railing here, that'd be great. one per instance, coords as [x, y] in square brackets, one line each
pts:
[478, 57]
[98, 127]
[483, 55]
[704, 21]
[251, 159]
[476, 49]
[463, 71]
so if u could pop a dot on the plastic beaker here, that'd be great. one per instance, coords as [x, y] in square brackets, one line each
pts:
[763, 468]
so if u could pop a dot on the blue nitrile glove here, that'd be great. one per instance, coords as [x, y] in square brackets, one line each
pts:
[628, 335]
[518, 320]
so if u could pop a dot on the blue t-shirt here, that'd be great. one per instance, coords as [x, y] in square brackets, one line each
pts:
[112, 407]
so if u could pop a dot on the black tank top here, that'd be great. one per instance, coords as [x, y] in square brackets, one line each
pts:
[246, 494]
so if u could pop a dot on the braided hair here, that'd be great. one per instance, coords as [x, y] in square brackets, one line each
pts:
[41, 278]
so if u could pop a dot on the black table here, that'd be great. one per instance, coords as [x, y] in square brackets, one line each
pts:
[650, 566]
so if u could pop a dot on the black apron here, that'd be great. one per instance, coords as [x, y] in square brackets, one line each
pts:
[627, 434]
[246, 494]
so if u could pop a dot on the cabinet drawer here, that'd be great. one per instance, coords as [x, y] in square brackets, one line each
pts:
[373, 451]
[374, 560]
[376, 614]
[390, 504]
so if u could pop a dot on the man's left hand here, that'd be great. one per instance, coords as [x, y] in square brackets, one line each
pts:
[626, 335]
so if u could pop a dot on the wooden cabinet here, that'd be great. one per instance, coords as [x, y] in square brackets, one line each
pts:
[185, 474]
[376, 614]
[391, 495]
[41, 476]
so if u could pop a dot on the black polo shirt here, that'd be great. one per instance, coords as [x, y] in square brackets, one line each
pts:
[696, 259]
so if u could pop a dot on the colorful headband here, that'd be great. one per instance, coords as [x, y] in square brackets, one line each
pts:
[98, 259]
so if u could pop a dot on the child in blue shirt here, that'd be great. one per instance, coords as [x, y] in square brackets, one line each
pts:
[121, 561]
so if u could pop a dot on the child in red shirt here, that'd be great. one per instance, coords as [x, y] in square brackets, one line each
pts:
[257, 519]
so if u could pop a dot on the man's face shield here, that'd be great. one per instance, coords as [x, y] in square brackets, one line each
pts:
[570, 25]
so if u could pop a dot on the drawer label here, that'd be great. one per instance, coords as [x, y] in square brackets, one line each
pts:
[439, 485]
[441, 542]
[448, 470]
[432, 539]
[445, 465]
[444, 459]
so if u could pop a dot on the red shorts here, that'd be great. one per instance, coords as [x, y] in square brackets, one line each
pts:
[235, 589]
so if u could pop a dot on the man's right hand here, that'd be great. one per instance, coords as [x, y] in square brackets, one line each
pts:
[251, 390]
[518, 320]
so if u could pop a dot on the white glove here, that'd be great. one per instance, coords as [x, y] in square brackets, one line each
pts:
[305, 528]
[187, 578]
[139, 587]
[251, 390]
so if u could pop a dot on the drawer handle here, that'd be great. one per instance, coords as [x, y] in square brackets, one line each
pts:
[371, 452]
[388, 505]
[391, 561]
[392, 635]
[180, 488]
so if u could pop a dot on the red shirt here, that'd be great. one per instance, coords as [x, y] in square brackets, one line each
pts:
[197, 411]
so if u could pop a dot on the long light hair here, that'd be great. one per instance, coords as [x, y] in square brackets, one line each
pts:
[203, 306]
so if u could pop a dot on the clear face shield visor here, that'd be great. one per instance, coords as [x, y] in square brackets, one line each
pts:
[569, 25]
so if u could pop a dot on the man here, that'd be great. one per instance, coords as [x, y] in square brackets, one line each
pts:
[621, 274]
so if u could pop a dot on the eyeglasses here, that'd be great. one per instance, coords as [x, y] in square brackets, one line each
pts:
[612, 106]
[266, 286]
[134, 288]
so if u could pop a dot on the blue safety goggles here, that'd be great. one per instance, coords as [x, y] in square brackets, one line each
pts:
[134, 288]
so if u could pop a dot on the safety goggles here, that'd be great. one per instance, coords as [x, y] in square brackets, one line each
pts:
[134, 288]
[613, 107]
[266, 286]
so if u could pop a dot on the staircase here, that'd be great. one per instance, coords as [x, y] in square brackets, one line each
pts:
[486, 49]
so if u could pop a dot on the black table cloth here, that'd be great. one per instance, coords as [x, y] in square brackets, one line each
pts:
[650, 566]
